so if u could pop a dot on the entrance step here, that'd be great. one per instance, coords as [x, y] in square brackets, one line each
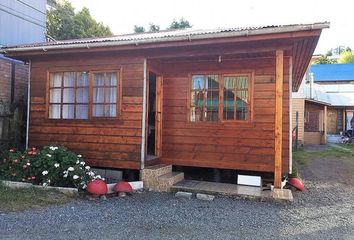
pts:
[152, 160]
[160, 177]
[166, 181]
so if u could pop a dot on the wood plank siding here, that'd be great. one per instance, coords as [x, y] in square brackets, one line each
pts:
[243, 146]
[112, 143]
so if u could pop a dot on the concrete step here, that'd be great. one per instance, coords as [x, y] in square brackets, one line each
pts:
[159, 169]
[150, 174]
[166, 181]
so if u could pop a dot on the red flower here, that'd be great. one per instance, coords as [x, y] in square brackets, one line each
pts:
[24, 166]
[23, 156]
[33, 177]
[15, 161]
[30, 152]
[14, 174]
[34, 149]
[34, 153]
[11, 150]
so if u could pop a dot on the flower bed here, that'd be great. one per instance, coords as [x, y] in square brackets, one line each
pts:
[48, 166]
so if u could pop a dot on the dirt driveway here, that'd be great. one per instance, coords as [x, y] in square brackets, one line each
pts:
[324, 211]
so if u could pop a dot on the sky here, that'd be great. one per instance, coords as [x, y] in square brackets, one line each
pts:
[121, 16]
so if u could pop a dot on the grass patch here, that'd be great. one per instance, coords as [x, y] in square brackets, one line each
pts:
[26, 198]
[303, 157]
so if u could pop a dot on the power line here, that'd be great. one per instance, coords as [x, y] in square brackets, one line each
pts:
[24, 14]
[27, 20]
[31, 7]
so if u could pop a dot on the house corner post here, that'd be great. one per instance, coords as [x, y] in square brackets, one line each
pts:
[278, 128]
[325, 124]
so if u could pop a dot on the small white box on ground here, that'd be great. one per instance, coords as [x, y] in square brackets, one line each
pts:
[137, 185]
[249, 180]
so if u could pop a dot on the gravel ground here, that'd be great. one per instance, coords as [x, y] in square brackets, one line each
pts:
[324, 211]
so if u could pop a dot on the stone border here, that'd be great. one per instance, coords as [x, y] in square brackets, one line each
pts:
[64, 190]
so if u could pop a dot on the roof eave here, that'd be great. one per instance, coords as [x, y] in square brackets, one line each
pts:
[251, 32]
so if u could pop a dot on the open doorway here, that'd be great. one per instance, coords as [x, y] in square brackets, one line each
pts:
[151, 116]
[154, 117]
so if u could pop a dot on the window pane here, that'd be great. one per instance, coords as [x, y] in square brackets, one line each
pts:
[110, 110]
[54, 111]
[98, 95]
[111, 79]
[111, 95]
[236, 85]
[98, 79]
[211, 116]
[241, 110]
[82, 111]
[98, 110]
[197, 98]
[68, 95]
[55, 80]
[82, 95]
[212, 98]
[82, 80]
[229, 83]
[69, 79]
[55, 95]
[242, 82]
[229, 106]
[196, 114]
[198, 82]
[68, 111]
[213, 82]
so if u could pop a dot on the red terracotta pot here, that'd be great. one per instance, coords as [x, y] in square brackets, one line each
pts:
[97, 187]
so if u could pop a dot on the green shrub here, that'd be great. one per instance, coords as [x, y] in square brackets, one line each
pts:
[16, 165]
[49, 166]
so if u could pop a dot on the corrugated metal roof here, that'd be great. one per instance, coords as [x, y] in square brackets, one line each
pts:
[175, 35]
[333, 72]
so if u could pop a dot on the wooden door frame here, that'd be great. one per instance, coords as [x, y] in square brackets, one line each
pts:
[158, 115]
[158, 112]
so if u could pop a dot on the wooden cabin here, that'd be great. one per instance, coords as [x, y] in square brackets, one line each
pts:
[204, 98]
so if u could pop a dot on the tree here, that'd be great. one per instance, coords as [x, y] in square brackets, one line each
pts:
[346, 57]
[154, 27]
[181, 24]
[139, 29]
[64, 23]
[337, 50]
[324, 59]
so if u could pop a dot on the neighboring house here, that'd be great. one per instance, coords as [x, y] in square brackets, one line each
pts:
[21, 22]
[309, 111]
[337, 81]
[324, 102]
[204, 98]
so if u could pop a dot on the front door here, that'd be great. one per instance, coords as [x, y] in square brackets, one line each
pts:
[154, 121]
